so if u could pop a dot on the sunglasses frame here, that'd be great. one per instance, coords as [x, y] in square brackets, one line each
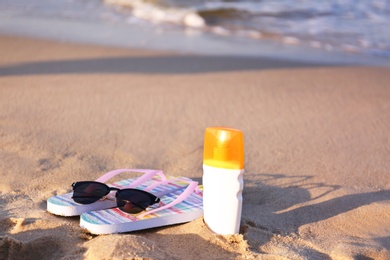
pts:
[153, 199]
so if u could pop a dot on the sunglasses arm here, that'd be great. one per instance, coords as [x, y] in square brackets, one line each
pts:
[148, 174]
[187, 192]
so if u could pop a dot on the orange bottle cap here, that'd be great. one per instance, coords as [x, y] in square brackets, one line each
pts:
[223, 148]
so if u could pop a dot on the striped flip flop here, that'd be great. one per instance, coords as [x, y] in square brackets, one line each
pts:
[64, 205]
[175, 207]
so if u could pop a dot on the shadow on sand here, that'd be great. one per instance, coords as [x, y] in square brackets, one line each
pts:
[267, 200]
[266, 207]
[150, 65]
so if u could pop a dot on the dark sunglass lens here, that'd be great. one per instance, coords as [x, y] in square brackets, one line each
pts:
[89, 192]
[133, 201]
[129, 207]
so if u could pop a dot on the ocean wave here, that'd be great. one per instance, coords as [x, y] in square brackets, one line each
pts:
[349, 25]
[159, 14]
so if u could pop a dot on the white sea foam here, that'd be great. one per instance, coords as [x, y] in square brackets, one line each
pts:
[291, 40]
[194, 20]
[157, 14]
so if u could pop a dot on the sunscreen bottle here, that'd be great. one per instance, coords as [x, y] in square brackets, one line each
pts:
[223, 168]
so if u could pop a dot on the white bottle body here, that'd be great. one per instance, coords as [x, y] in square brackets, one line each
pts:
[222, 199]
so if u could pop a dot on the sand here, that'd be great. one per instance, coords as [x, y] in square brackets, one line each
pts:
[317, 149]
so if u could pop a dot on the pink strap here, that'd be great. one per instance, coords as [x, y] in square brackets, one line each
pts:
[148, 174]
[154, 185]
[187, 192]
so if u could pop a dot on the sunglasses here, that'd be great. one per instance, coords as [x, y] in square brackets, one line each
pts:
[131, 201]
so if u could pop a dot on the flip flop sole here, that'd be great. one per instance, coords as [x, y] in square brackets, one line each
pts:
[113, 220]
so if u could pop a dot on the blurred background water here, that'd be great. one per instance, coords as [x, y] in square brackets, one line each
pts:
[357, 26]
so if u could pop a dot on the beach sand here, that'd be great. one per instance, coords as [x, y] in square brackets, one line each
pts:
[317, 149]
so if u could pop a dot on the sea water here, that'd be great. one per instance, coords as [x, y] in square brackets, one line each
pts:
[349, 26]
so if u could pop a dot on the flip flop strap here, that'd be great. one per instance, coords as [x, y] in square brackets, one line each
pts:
[148, 174]
[187, 192]
[166, 181]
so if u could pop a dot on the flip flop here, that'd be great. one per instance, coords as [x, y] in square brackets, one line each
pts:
[64, 205]
[175, 207]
